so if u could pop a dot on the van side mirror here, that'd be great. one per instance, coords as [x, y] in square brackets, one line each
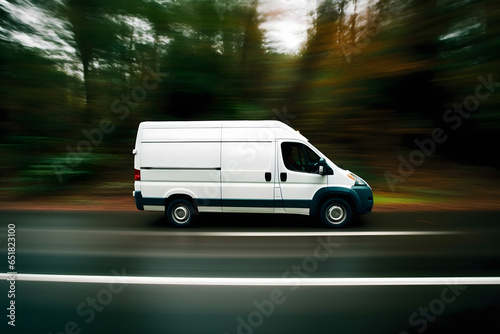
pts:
[321, 166]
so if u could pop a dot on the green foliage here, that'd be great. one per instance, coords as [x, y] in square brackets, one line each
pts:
[372, 75]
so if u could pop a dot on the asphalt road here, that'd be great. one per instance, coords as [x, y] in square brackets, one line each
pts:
[252, 274]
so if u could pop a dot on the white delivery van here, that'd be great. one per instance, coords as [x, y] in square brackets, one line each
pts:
[185, 168]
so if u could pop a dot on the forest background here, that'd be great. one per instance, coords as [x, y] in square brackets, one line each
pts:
[405, 93]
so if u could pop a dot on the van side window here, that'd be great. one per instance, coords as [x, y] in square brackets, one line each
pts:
[300, 158]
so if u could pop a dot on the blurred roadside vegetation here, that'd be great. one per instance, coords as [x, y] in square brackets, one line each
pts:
[372, 77]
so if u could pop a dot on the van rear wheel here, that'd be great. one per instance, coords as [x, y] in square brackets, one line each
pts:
[335, 212]
[180, 212]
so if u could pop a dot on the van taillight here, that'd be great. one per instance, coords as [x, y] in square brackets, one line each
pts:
[137, 174]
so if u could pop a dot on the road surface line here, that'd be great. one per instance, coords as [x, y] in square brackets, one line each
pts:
[232, 281]
[250, 234]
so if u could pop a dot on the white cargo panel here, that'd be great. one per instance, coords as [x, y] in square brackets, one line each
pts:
[248, 134]
[243, 174]
[181, 134]
[180, 155]
[241, 157]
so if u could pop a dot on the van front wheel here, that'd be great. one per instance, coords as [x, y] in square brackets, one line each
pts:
[180, 212]
[335, 212]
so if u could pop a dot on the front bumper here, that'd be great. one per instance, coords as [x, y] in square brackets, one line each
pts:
[365, 199]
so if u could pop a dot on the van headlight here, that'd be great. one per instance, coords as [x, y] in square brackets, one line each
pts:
[357, 180]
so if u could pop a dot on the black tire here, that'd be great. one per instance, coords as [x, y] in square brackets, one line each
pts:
[180, 213]
[335, 213]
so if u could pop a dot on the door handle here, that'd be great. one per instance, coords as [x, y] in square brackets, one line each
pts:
[268, 176]
[283, 176]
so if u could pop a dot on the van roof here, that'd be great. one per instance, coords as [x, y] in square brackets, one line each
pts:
[213, 124]
[283, 130]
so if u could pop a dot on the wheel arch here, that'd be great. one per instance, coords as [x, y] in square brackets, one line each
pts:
[186, 197]
[324, 194]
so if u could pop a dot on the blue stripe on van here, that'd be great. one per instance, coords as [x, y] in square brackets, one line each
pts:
[246, 203]
[297, 203]
[254, 203]
[362, 198]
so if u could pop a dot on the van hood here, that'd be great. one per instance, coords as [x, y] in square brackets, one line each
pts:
[341, 173]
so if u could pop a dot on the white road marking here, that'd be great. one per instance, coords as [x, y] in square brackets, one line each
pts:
[232, 281]
[248, 233]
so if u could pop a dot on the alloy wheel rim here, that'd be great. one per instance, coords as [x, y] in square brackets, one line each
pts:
[335, 214]
[181, 214]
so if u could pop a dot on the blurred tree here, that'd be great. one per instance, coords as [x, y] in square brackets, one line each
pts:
[98, 34]
[393, 69]
[88, 31]
[372, 75]
[215, 65]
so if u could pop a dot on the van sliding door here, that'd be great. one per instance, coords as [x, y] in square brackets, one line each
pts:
[248, 175]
